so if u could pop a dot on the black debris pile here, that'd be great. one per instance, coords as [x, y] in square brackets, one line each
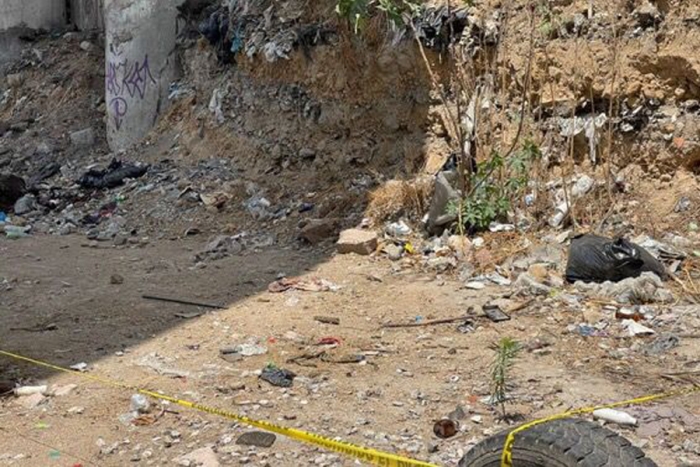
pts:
[113, 176]
[438, 28]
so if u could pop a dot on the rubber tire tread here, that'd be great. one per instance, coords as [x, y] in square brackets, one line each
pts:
[567, 442]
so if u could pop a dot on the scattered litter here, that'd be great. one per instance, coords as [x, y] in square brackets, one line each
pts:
[242, 350]
[647, 288]
[636, 329]
[466, 327]
[398, 229]
[278, 377]
[221, 247]
[139, 403]
[260, 439]
[590, 127]
[16, 231]
[498, 227]
[658, 249]
[495, 314]
[498, 279]
[112, 176]
[29, 390]
[662, 344]
[445, 428]
[586, 330]
[615, 416]
[335, 341]
[682, 205]
[82, 366]
[431, 322]
[327, 319]
[474, 285]
[306, 285]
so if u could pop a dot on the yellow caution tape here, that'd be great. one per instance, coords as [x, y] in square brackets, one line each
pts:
[507, 455]
[369, 456]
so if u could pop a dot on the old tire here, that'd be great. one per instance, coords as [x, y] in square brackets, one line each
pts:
[560, 443]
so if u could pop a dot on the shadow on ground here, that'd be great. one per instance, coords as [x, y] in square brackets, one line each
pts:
[59, 303]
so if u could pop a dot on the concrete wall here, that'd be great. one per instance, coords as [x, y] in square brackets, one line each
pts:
[34, 14]
[87, 15]
[140, 64]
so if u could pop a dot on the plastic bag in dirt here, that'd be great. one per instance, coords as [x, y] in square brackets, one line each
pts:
[598, 259]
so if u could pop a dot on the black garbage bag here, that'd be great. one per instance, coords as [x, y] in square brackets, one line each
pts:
[598, 259]
[113, 176]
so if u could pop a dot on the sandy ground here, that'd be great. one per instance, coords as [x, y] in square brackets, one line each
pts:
[410, 378]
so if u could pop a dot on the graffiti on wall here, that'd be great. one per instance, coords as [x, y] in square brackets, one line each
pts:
[126, 81]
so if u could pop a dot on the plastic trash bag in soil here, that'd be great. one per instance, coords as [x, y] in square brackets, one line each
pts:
[113, 176]
[598, 259]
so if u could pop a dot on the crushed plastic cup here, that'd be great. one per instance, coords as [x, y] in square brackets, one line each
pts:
[15, 231]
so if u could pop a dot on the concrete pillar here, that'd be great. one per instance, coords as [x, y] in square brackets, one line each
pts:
[140, 64]
[87, 15]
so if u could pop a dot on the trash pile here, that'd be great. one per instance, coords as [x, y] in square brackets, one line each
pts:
[253, 28]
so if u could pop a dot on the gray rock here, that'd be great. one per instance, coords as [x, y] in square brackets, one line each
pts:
[257, 438]
[529, 285]
[43, 149]
[25, 205]
[83, 138]
[317, 230]
[67, 228]
[394, 252]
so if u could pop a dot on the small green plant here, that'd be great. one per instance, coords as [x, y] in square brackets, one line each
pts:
[507, 351]
[493, 187]
[358, 11]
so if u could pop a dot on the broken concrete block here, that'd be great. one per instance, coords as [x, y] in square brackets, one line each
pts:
[361, 242]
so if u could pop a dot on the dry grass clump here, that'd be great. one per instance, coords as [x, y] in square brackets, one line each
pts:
[397, 198]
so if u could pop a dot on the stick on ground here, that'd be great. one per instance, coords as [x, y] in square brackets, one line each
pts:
[182, 302]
